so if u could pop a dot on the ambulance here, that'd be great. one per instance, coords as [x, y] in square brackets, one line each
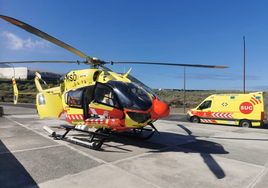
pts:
[245, 110]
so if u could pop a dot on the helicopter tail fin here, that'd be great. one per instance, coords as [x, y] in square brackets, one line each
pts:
[125, 75]
[15, 89]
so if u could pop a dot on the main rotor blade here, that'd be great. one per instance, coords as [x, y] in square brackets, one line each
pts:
[38, 62]
[43, 35]
[106, 68]
[172, 64]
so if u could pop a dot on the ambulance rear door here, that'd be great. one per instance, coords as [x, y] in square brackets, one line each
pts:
[264, 115]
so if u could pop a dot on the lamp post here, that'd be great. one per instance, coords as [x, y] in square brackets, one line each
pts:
[13, 70]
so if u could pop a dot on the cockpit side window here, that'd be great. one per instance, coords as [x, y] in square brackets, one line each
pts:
[105, 95]
[205, 104]
[74, 98]
[131, 95]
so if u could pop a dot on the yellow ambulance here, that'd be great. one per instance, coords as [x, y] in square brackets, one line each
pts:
[245, 110]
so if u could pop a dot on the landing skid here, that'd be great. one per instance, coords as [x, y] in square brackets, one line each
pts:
[138, 133]
[92, 142]
[96, 138]
[145, 129]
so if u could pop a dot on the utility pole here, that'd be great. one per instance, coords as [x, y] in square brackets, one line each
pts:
[184, 91]
[244, 65]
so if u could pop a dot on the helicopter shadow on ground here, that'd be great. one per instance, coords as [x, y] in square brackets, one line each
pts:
[12, 172]
[205, 149]
[124, 143]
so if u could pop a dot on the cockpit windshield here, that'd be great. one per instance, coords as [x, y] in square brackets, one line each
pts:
[150, 91]
[131, 95]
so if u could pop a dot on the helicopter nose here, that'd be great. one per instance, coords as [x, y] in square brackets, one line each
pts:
[160, 110]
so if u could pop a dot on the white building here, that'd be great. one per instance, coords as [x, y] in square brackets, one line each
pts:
[27, 73]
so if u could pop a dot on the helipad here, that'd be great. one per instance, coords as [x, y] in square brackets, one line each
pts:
[182, 155]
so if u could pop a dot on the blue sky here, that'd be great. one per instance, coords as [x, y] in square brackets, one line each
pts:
[208, 32]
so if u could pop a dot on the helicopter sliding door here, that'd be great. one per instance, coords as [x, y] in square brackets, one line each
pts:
[105, 102]
[49, 105]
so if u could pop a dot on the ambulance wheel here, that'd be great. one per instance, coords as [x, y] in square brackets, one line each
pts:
[195, 119]
[245, 124]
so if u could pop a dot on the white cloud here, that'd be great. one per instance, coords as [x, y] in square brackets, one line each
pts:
[14, 42]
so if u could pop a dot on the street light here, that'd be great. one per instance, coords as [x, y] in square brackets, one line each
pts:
[13, 69]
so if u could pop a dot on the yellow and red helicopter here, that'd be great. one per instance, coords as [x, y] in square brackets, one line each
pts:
[96, 97]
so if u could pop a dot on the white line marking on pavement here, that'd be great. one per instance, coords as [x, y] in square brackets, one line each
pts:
[254, 182]
[61, 143]
[31, 149]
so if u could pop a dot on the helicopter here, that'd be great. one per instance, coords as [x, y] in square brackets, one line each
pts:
[96, 97]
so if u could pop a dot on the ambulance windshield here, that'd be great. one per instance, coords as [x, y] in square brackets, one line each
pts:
[204, 105]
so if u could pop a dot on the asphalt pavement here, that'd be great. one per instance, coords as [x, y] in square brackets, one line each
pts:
[184, 154]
